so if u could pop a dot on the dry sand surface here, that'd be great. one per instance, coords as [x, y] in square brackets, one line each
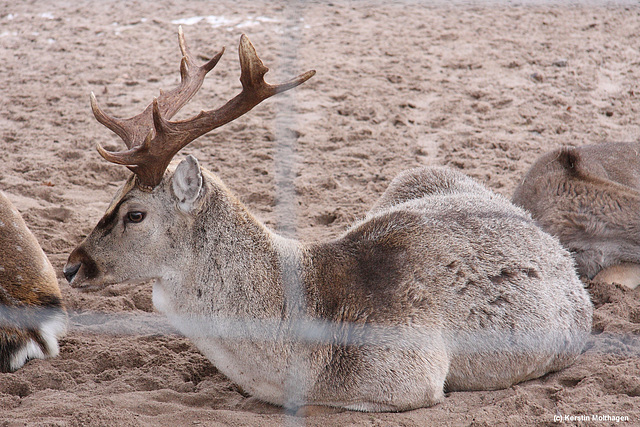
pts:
[482, 88]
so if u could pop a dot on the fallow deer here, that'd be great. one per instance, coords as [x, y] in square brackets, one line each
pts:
[589, 197]
[442, 284]
[32, 316]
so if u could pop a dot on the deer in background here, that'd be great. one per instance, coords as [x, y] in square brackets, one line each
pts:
[442, 283]
[589, 197]
[32, 317]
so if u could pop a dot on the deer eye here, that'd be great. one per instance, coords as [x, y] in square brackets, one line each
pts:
[135, 216]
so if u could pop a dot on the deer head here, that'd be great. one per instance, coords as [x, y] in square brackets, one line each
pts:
[149, 213]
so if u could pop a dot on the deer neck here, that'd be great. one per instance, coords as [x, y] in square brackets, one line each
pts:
[235, 268]
[238, 299]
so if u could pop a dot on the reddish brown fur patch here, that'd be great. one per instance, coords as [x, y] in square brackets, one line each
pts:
[25, 275]
[29, 293]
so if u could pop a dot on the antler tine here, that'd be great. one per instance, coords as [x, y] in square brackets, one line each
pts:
[115, 125]
[186, 53]
[253, 71]
[183, 43]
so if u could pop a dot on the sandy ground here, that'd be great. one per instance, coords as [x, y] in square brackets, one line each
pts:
[481, 88]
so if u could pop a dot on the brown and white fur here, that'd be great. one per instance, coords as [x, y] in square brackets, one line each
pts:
[32, 317]
[589, 197]
[443, 286]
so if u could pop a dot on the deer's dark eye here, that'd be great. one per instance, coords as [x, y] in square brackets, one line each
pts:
[135, 216]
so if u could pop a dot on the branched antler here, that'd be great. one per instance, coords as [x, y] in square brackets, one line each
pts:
[152, 139]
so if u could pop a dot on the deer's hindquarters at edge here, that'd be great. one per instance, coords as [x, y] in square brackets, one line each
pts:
[32, 315]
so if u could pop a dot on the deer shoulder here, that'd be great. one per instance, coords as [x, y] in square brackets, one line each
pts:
[589, 197]
[444, 285]
[32, 317]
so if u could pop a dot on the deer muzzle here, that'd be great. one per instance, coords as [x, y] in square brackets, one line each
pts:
[80, 267]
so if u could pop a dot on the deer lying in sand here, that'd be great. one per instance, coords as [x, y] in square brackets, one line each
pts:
[32, 317]
[589, 197]
[443, 282]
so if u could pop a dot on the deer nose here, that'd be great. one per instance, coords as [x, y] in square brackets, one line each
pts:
[70, 271]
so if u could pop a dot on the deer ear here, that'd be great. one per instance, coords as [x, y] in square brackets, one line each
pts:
[187, 184]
